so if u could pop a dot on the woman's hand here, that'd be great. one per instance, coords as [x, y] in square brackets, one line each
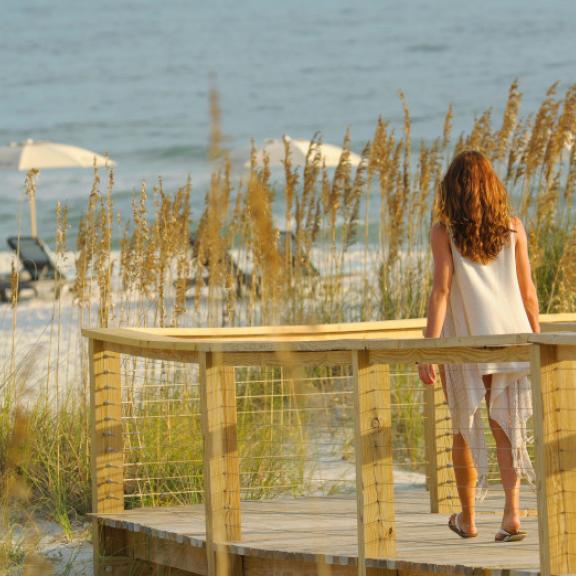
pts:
[427, 373]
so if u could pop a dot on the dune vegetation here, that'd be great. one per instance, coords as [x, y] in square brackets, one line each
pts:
[288, 245]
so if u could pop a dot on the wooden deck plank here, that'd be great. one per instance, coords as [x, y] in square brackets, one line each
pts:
[549, 323]
[324, 529]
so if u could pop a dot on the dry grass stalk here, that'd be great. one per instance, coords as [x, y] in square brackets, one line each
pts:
[264, 241]
[509, 122]
[520, 138]
[568, 194]
[85, 249]
[102, 254]
[215, 146]
[481, 136]
[211, 255]
[182, 248]
[534, 153]
[565, 300]
[447, 131]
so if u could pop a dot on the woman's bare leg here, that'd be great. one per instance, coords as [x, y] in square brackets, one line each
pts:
[465, 474]
[508, 474]
[466, 477]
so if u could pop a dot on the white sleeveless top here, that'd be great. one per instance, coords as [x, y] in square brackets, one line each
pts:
[485, 299]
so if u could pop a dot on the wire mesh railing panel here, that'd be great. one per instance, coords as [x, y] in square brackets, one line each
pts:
[162, 433]
[294, 431]
[408, 431]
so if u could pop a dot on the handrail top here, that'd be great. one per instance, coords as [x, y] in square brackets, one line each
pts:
[290, 343]
[567, 338]
[549, 323]
[271, 330]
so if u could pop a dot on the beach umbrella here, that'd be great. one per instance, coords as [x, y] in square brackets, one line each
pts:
[274, 148]
[37, 155]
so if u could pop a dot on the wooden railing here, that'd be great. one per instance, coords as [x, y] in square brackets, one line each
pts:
[370, 348]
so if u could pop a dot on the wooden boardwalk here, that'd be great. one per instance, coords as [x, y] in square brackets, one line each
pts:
[281, 536]
[383, 531]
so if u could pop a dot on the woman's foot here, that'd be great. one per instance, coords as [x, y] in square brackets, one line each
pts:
[506, 536]
[510, 523]
[464, 529]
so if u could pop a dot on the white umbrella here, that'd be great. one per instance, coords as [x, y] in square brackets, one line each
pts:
[32, 155]
[274, 148]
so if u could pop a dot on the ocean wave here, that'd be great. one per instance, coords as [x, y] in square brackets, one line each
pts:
[179, 152]
[427, 48]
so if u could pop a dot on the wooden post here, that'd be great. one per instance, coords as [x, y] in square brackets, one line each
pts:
[221, 464]
[107, 458]
[554, 396]
[438, 444]
[373, 449]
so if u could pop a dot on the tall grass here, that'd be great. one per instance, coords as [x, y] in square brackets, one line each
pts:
[296, 245]
[275, 222]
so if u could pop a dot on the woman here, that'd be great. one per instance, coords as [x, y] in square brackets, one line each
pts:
[482, 285]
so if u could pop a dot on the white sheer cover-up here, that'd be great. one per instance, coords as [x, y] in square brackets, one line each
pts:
[485, 299]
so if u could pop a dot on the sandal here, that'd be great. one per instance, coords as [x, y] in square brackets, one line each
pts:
[454, 525]
[505, 536]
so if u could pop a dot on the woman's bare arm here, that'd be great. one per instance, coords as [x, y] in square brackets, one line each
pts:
[438, 304]
[527, 288]
[442, 281]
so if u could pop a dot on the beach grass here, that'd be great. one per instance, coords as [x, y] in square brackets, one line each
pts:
[334, 262]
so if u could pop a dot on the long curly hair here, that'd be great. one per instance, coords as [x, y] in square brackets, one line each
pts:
[473, 205]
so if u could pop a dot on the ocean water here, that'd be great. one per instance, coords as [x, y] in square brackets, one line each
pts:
[132, 78]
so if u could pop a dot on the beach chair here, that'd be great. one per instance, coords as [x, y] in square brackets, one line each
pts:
[6, 288]
[305, 263]
[39, 268]
[243, 279]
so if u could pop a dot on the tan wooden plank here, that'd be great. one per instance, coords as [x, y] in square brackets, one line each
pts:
[544, 358]
[123, 566]
[547, 322]
[554, 339]
[166, 343]
[230, 445]
[382, 325]
[373, 453]
[555, 318]
[450, 355]
[384, 344]
[254, 566]
[274, 343]
[567, 353]
[106, 456]
[554, 395]
[338, 352]
[138, 337]
[556, 327]
[186, 356]
[165, 553]
[119, 560]
[248, 336]
[107, 444]
[221, 465]
[438, 442]
[287, 358]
